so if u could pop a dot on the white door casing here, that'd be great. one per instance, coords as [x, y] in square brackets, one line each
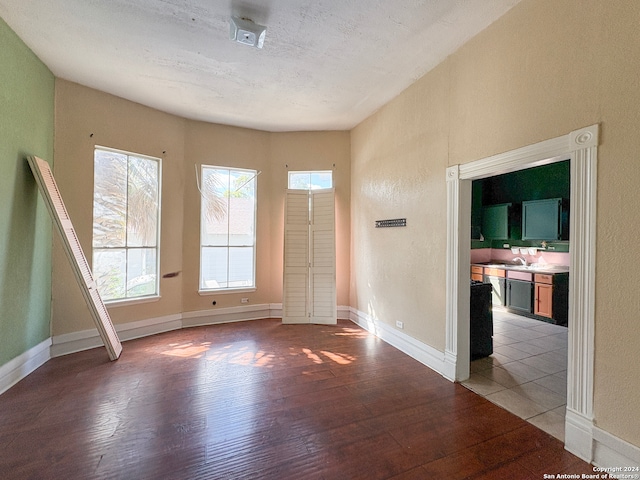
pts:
[581, 148]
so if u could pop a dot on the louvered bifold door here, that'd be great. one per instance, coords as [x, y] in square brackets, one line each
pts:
[322, 258]
[295, 291]
[55, 205]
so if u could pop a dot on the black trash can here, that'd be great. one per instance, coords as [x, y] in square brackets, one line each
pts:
[481, 320]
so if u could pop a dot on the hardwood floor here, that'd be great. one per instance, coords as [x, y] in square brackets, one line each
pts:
[262, 400]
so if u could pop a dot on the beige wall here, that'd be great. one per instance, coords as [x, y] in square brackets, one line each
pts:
[312, 151]
[544, 69]
[86, 117]
[398, 160]
[269, 153]
[220, 145]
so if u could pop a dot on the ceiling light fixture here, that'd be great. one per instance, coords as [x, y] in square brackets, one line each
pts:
[244, 30]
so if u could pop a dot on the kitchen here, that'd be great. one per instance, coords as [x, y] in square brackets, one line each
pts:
[519, 306]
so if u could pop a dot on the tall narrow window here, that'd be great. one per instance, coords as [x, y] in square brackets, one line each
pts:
[311, 180]
[126, 224]
[227, 228]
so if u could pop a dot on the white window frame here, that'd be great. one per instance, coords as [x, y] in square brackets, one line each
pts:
[246, 288]
[308, 172]
[156, 295]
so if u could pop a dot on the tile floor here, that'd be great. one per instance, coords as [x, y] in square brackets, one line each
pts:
[527, 373]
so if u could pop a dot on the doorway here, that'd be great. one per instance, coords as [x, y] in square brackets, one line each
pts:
[526, 370]
[580, 147]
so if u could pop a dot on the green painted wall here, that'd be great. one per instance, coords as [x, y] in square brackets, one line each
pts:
[548, 181]
[26, 128]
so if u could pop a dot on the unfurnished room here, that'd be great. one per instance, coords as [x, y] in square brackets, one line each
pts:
[343, 239]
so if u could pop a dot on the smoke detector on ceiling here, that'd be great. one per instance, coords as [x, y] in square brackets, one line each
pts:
[244, 30]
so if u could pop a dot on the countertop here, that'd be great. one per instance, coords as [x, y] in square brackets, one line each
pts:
[533, 268]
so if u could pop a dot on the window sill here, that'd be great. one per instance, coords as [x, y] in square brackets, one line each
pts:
[131, 301]
[224, 291]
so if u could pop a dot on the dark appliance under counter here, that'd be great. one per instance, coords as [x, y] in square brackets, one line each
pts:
[481, 320]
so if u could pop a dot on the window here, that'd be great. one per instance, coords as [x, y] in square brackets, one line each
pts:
[227, 228]
[312, 180]
[126, 224]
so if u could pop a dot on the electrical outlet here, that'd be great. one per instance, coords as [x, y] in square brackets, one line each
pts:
[245, 300]
[399, 324]
[505, 245]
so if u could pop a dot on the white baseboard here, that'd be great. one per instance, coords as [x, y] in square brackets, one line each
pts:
[75, 342]
[86, 339]
[578, 435]
[226, 315]
[610, 451]
[422, 352]
[597, 446]
[241, 314]
[150, 326]
[449, 368]
[21, 366]
[276, 311]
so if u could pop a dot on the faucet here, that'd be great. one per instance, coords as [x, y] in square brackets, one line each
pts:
[521, 259]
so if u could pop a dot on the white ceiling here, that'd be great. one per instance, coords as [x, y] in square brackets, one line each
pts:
[325, 65]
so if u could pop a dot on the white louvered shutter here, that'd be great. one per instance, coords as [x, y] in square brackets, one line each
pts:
[323, 307]
[296, 258]
[73, 249]
[309, 290]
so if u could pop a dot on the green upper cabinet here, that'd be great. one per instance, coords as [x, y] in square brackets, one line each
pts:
[545, 219]
[495, 221]
[504, 207]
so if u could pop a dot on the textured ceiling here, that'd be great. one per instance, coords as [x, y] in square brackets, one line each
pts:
[325, 65]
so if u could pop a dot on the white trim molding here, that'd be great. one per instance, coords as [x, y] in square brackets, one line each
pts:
[578, 434]
[422, 352]
[457, 340]
[610, 451]
[226, 315]
[580, 147]
[83, 340]
[21, 366]
[344, 312]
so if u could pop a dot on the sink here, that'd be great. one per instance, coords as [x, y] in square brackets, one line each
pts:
[540, 267]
